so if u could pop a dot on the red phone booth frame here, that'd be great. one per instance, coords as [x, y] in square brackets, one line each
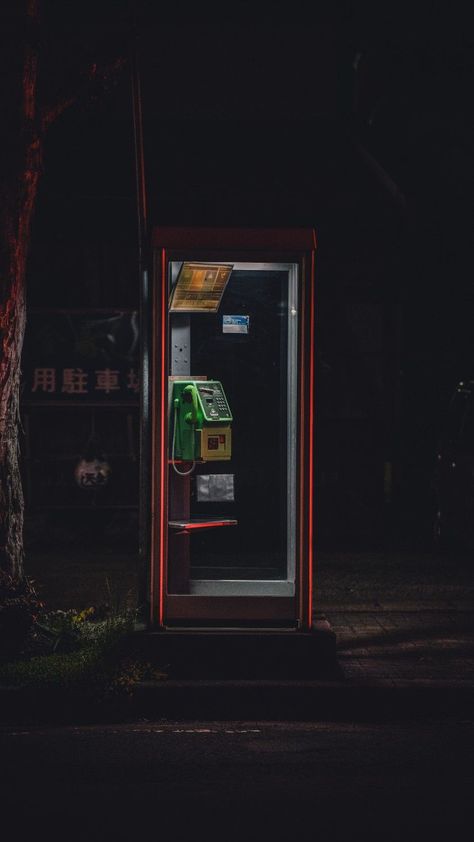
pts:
[291, 246]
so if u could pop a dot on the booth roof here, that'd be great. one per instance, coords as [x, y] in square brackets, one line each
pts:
[278, 239]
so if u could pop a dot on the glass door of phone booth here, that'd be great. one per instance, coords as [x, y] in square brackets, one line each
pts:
[232, 400]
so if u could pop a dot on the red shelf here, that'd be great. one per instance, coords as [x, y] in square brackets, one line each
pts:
[201, 523]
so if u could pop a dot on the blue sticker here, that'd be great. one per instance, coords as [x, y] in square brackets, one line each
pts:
[235, 324]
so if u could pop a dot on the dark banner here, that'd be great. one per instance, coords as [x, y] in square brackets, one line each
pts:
[81, 357]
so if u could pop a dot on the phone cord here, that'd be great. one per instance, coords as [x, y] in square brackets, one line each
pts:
[173, 448]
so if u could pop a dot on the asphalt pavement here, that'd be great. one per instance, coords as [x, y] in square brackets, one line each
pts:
[239, 780]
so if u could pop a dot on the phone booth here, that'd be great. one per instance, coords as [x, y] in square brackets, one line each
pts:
[228, 413]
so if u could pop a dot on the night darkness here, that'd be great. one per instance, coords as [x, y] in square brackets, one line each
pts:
[356, 122]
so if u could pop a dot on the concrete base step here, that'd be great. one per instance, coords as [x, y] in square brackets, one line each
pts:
[244, 700]
[240, 654]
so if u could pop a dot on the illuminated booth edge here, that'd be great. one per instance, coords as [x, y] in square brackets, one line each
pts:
[228, 406]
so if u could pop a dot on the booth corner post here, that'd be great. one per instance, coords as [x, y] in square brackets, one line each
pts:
[146, 313]
[228, 452]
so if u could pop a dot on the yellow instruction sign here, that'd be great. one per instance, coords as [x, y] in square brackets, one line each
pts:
[199, 287]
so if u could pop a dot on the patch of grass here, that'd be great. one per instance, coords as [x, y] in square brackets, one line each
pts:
[72, 629]
[94, 664]
[64, 670]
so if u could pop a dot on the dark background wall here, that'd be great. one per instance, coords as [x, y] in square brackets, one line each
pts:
[357, 125]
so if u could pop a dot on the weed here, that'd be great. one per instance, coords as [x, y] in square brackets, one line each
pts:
[19, 609]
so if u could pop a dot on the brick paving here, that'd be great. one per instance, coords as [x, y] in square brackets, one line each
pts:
[397, 646]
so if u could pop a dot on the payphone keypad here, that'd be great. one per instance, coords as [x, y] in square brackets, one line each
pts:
[214, 402]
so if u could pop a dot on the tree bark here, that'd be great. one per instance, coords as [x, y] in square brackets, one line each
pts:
[18, 200]
[26, 123]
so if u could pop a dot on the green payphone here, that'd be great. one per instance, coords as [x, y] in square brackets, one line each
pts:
[200, 423]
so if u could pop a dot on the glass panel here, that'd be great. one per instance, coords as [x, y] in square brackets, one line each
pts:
[232, 416]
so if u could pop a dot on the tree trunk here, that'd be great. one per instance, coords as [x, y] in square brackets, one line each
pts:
[25, 123]
[18, 200]
[11, 494]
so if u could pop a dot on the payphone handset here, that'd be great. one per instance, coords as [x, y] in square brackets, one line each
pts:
[201, 420]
